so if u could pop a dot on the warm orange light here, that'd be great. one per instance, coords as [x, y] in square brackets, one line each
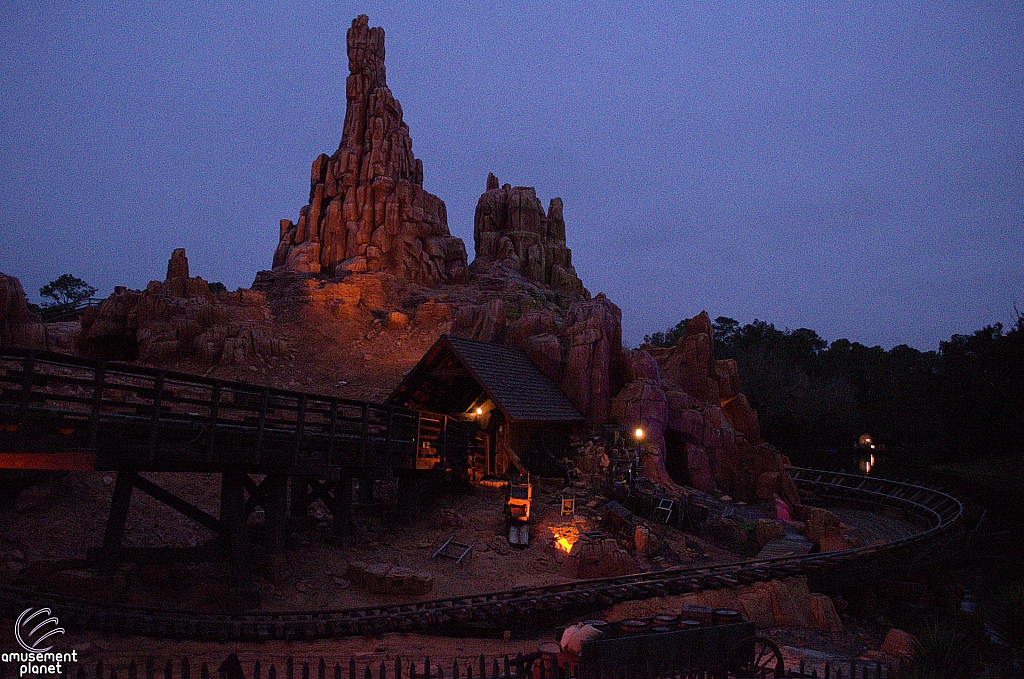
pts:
[565, 538]
[639, 433]
[479, 410]
[872, 460]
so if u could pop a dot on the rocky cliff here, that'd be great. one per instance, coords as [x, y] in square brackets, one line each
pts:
[367, 208]
[700, 430]
[180, 318]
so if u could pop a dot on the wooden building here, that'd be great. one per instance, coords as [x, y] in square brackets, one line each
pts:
[523, 416]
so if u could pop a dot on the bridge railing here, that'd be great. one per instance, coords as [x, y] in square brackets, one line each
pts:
[149, 419]
[60, 312]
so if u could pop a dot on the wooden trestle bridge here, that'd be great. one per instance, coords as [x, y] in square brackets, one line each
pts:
[64, 413]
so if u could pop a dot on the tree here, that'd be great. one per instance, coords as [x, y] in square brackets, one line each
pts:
[66, 289]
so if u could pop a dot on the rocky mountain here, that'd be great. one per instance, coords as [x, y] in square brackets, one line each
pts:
[367, 208]
[371, 264]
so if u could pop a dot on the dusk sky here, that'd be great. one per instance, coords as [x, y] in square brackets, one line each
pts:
[854, 168]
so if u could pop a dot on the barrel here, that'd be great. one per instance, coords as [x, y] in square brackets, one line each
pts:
[634, 626]
[725, 616]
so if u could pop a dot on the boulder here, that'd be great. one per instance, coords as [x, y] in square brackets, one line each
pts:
[899, 644]
[597, 557]
[826, 529]
[383, 578]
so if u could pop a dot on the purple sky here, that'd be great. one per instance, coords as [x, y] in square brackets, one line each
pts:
[857, 169]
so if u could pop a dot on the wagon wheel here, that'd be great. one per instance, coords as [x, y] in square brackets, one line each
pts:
[754, 658]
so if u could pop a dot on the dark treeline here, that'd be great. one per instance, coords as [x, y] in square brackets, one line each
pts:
[964, 401]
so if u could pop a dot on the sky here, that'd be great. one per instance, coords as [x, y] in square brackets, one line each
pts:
[855, 168]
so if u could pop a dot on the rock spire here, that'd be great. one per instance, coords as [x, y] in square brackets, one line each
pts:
[512, 229]
[367, 208]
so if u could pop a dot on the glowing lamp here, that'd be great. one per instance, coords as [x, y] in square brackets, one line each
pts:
[639, 433]
[479, 410]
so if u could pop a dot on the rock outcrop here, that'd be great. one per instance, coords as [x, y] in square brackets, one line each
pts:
[16, 320]
[511, 229]
[776, 603]
[180, 318]
[581, 350]
[598, 557]
[367, 208]
[19, 327]
[384, 578]
[699, 429]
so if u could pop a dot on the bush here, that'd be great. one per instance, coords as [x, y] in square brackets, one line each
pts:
[944, 651]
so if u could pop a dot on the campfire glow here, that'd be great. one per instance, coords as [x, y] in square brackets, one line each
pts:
[565, 537]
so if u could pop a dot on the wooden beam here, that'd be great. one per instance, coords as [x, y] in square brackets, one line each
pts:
[182, 506]
[74, 461]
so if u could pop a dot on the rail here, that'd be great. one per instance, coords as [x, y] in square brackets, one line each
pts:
[60, 312]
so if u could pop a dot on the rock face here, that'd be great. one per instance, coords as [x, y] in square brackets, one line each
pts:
[511, 228]
[598, 558]
[776, 603]
[581, 350]
[180, 318]
[15, 318]
[367, 208]
[19, 327]
[700, 430]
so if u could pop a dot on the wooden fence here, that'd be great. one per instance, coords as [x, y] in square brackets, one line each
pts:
[481, 667]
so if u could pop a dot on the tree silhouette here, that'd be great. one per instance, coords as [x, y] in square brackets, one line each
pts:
[66, 289]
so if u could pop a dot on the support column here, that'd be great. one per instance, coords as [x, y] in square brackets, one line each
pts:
[232, 515]
[341, 508]
[299, 496]
[275, 504]
[114, 533]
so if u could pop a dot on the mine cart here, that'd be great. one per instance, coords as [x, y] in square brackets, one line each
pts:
[701, 639]
[517, 510]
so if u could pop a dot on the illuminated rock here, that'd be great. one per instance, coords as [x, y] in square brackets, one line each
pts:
[510, 228]
[367, 208]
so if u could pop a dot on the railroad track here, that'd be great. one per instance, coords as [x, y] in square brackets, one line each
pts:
[941, 514]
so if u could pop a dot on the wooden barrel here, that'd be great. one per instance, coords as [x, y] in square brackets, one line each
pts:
[725, 616]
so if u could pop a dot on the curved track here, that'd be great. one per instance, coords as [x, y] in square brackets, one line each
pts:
[942, 513]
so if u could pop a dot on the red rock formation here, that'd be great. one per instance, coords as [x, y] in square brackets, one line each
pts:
[180, 318]
[19, 327]
[597, 557]
[776, 603]
[510, 228]
[593, 337]
[15, 318]
[367, 208]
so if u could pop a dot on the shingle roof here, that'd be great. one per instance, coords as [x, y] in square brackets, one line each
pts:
[512, 381]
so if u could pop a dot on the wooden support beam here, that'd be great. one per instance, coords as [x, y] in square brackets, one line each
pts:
[233, 518]
[114, 533]
[274, 490]
[179, 505]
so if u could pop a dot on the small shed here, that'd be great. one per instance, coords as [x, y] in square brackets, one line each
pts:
[523, 415]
